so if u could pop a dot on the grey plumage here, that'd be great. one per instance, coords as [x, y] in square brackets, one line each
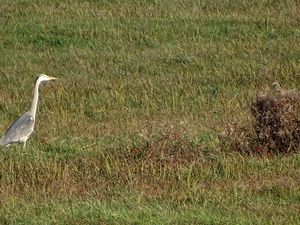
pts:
[21, 129]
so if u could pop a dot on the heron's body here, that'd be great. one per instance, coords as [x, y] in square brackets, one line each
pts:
[20, 130]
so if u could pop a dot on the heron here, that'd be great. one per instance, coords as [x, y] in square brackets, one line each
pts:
[20, 130]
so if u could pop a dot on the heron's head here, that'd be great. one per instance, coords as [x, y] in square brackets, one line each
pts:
[44, 77]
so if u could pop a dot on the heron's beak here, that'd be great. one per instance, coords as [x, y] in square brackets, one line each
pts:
[52, 78]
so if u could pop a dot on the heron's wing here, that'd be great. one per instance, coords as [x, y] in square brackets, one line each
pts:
[19, 130]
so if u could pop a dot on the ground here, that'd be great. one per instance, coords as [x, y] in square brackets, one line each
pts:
[130, 132]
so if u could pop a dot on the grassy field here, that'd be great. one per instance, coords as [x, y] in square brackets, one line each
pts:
[129, 133]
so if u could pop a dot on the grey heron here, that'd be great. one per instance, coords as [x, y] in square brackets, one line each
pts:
[20, 130]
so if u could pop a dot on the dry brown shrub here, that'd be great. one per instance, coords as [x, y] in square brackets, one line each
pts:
[237, 138]
[275, 126]
[277, 122]
[170, 149]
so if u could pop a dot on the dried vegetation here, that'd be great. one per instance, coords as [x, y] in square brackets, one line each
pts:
[274, 128]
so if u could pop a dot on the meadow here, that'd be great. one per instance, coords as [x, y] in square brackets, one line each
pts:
[129, 134]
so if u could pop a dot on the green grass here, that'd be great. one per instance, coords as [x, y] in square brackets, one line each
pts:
[129, 133]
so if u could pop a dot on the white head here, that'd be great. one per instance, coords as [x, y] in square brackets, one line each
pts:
[44, 77]
[39, 80]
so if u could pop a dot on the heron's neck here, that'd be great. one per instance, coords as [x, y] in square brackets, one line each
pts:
[35, 99]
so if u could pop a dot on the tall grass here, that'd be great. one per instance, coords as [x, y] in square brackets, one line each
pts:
[129, 134]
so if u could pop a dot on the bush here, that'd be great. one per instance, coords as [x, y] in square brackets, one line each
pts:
[277, 122]
[275, 126]
[170, 149]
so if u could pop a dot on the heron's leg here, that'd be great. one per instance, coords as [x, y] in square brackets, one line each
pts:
[24, 145]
